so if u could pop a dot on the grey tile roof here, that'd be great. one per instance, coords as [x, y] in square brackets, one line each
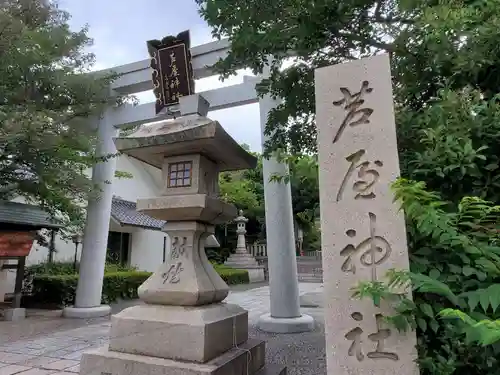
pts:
[125, 213]
[25, 214]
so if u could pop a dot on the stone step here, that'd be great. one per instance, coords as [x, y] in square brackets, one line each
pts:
[272, 369]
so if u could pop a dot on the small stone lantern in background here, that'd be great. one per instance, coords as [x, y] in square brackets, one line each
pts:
[241, 258]
[241, 230]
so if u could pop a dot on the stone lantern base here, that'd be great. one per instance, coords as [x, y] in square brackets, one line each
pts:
[163, 340]
[256, 272]
[184, 328]
[243, 260]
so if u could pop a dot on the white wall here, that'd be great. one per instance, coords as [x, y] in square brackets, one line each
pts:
[147, 249]
[147, 245]
[142, 185]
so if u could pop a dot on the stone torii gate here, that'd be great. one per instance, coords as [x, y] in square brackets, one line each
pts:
[135, 77]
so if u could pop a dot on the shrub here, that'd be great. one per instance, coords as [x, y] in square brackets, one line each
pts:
[61, 268]
[455, 277]
[60, 290]
[218, 254]
[67, 268]
[232, 276]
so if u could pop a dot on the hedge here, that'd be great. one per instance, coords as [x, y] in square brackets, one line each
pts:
[60, 290]
[68, 268]
[232, 276]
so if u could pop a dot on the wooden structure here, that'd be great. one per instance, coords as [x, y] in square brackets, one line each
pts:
[19, 224]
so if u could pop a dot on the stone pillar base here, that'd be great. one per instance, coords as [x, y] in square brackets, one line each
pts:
[256, 274]
[15, 314]
[245, 261]
[86, 312]
[303, 323]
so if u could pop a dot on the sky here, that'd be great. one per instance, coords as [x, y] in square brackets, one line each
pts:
[120, 29]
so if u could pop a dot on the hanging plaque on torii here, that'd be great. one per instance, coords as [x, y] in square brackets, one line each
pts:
[172, 69]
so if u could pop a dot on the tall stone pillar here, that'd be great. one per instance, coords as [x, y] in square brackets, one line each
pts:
[364, 232]
[285, 316]
[95, 239]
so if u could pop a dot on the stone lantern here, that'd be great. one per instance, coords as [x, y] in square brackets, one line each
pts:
[241, 258]
[183, 327]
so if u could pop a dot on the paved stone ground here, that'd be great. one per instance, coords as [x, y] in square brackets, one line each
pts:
[53, 346]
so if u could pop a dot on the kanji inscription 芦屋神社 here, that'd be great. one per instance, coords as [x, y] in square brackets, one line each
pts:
[363, 232]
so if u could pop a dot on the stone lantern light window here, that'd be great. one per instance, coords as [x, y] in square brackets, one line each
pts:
[180, 174]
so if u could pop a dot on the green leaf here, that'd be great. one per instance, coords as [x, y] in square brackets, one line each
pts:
[484, 301]
[484, 297]
[427, 309]
[467, 271]
[434, 273]
[473, 300]
[422, 324]
[434, 325]
[494, 300]
[426, 284]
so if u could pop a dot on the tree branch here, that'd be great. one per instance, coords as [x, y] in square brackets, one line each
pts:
[388, 20]
[378, 9]
[389, 47]
[378, 17]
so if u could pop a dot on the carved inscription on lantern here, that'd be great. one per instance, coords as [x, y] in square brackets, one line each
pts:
[375, 339]
[179, 245]
[178, 252]
[173, 274]
[352, 103]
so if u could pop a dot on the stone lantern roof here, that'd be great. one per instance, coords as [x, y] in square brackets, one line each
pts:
[192, 134]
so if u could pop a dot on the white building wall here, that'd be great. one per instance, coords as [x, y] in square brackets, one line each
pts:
[146, 251]
[141, 185]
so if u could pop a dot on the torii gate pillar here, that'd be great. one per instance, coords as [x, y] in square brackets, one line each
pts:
[285, 316]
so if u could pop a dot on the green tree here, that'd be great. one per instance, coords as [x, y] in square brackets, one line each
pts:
[433, 44]
[245, 189]
[46, 98]
[445, 59]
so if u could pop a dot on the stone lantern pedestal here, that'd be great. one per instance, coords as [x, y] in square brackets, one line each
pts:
[184, 327]
[241, 258]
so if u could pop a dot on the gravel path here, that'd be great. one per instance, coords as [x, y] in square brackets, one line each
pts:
[302, 353]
